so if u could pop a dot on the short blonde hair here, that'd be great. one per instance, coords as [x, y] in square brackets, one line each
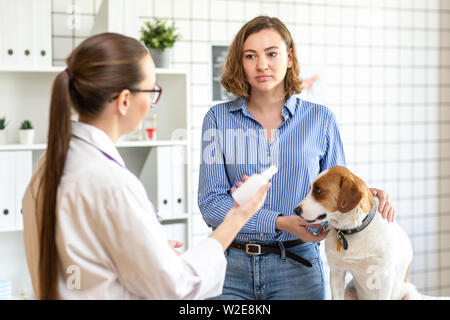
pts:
[233, 75]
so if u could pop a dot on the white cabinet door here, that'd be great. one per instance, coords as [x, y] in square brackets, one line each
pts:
[7, 189]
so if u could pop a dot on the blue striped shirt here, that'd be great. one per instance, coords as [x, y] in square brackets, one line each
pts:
[234, 143]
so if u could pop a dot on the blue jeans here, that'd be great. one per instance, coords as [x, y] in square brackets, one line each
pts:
[274, 277]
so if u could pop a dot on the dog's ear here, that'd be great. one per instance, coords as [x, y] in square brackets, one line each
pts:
[349, 195]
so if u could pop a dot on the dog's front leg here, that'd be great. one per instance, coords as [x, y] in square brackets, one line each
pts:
[337, 283]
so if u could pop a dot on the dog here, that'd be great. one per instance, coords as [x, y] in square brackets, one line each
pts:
[377, 253]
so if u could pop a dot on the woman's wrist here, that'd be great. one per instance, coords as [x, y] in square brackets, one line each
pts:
[279, 223]
[236, 217]
[229, 228]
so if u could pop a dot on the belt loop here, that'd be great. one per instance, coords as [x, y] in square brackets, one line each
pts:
[283, 250]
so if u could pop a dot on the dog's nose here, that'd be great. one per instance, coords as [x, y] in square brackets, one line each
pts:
[322, 216]
[298, 211]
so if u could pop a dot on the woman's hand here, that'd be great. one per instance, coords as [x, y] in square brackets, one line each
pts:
[250, 207]
[238, 216]
[297, 227]
[385, 206]
[175, 244]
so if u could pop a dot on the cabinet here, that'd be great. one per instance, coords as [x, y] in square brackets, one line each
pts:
[26, 95]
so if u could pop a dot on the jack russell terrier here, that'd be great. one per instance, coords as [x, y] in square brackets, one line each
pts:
[377, 253]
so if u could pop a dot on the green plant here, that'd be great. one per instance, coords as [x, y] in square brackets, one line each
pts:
[3, 123]
[26, 125]
[158, 35]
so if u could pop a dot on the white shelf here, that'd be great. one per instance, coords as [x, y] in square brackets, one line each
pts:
[53, 69]
[131, 144]
[12, 229]
[58, 69]
[169, 71]
[22, 147]
[164, 219]
[122, 144]
[174, 217]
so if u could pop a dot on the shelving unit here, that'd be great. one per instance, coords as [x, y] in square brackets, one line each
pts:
[26, 95]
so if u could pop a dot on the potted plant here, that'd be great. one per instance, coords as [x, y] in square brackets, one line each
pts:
[26, 132]
[157, 37]
[3, 133]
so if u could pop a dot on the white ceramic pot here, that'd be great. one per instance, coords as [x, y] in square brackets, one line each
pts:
[26, 136]
[3, 137]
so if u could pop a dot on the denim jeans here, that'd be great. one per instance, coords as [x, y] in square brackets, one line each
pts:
[273, 276]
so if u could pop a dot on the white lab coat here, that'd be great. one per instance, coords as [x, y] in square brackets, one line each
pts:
[110, 243]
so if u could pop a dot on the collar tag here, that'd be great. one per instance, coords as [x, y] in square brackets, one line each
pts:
[341, 241]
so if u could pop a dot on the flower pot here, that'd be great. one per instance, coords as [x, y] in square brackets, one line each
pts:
[160, 58]
[3, 137]
[26, 136]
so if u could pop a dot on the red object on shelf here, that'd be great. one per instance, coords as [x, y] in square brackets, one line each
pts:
[151, 132]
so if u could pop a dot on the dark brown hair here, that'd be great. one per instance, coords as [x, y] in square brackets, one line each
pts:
[100, 66]
[233, 76]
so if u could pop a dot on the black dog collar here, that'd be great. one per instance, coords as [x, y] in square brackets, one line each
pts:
[367, 220]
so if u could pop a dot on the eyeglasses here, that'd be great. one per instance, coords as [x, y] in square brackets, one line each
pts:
[155, 94]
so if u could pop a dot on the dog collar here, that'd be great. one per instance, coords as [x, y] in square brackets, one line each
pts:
[367, 220]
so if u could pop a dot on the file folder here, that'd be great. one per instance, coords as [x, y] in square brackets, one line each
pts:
[23, 177]
[9, 50]
[25, 33]
[156, 176]
[42, 33]
[7, 190]
[178, 195]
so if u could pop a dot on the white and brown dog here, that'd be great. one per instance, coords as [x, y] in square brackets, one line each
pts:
[377, 253]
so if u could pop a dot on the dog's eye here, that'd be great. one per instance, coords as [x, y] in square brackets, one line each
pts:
[317, 190]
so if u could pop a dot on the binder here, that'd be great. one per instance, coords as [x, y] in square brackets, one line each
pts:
[164, 178]
[9, 16]
[7, 190]
[24, 166]
[156, 176]
[178, 180]
[26, 32]
[42, 18]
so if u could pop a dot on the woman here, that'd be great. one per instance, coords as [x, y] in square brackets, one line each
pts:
[275, 256]
[90, 230]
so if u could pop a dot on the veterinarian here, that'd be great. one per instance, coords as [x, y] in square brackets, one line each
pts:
[275, 255]
[90, 231]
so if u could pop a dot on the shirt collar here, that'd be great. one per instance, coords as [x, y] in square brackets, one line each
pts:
[97, 138]
[241, 104]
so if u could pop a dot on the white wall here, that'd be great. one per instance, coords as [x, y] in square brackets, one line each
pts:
[384, 70]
